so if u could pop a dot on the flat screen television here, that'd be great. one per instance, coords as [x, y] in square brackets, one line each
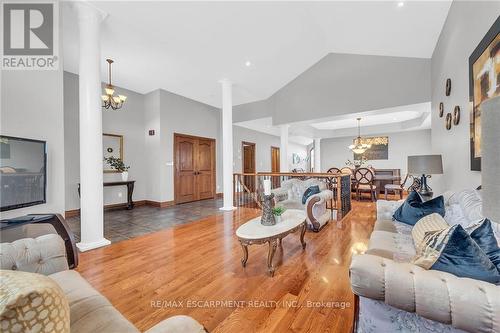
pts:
[23, 172]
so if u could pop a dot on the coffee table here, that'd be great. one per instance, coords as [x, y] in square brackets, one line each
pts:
[253, 232]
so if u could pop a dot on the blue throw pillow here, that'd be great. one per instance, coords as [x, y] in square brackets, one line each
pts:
[482, 233]
[413, 209]
[452, 250]
[310, 191]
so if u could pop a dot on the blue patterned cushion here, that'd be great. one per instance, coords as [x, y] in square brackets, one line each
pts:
[482, 233]
[413, 209]
[452, 250]
[310, 191]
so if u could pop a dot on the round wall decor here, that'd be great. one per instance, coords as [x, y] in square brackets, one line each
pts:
[441, 110]
[448, 87]
[448, 121]
[456, 115]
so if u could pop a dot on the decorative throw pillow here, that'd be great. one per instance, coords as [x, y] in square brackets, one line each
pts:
[310, 191]
[32, 302]
[432, 222]
[452, 250]
[482, 233]
[413, 209]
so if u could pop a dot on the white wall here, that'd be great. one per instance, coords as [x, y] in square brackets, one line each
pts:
[127, 121]
[263, 143]
[32, 107]
[465, 26]
[334, 152]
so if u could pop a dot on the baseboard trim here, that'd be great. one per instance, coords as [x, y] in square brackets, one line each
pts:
[76, 212]
[82, 247]
[160, 204]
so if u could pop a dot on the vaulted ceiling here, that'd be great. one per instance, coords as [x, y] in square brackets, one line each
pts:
[186, 47]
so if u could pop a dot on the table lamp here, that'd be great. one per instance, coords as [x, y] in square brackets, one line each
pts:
[425, 165]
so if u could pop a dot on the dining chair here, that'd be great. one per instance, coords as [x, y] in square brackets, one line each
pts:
[396, 188]
[332, 181]
[365, 183]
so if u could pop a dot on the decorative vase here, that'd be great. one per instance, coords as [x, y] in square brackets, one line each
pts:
[125, 176]
[267, 210]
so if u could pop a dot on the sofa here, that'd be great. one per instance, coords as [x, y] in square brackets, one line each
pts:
[398, 296]
[89, 310]
[290, 195]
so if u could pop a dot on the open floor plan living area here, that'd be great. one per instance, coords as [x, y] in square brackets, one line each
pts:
[250, 166]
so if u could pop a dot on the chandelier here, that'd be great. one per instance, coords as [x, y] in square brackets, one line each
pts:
[109, 100]
[359, 147]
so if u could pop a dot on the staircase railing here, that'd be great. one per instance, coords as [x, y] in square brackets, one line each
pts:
[248, 187]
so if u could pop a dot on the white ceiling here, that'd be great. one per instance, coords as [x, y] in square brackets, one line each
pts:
[186, 47]
[397, 119]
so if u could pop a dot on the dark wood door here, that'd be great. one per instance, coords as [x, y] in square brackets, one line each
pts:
[249, 164]
[275, 166]
[194, 160]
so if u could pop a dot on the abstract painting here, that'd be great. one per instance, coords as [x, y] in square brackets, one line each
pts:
[484, 83]
[379, 149]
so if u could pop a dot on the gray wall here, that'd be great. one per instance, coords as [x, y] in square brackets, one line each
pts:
[32, 107]
[334, 152]
[345, 83]
[466, 25]
[263, 143]
[150, 157]
[182, 115]
[128, 121]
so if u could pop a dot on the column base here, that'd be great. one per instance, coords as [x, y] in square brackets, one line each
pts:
[82, 247]
[227, 208]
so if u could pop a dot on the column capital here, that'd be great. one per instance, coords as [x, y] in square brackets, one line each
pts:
[88, 11]
[225, 82]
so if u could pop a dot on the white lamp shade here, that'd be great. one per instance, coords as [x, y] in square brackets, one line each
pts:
[425, 164]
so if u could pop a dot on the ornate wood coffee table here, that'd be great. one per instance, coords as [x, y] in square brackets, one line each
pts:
[253, 232]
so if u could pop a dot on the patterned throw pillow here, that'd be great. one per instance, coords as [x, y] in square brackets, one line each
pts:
[310, 191]
[452, 250]
[413, 209]
[482, 233]
[432, 222]
[32, 303]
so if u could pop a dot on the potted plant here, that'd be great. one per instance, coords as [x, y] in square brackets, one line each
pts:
[277, 212]
[117, 164]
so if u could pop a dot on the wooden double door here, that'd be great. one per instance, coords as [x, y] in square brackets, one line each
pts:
[194, 161]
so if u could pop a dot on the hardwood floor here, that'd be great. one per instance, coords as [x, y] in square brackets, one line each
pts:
[153, 277]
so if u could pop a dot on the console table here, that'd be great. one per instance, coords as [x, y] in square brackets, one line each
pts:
[130, 190]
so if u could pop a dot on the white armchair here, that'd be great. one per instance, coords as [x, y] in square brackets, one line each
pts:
[290, 194]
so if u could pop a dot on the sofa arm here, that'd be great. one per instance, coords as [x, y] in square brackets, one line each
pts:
[177, 324]
[466, 304]
[280, 194]
[386, 208]
[316, 209]
[44, 255]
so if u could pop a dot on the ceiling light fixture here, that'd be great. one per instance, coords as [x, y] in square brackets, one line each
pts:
[248, 63]
[109, 100]
[359, 147]
[401, 4]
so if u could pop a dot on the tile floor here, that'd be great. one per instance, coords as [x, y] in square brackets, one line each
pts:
[121, 224]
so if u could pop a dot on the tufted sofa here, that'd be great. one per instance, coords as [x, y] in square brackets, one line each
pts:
[396, 295]
[290, 194]
[89, 310]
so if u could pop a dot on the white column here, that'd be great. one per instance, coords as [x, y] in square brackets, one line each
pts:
[317, 155]
[91, 188]
[227, 144]
[284, 148]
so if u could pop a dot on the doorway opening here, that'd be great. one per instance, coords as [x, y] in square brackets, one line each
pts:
[275, 166]
[248, 160]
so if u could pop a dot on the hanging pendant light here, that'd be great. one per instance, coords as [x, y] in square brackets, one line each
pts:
[109, 100]
[359, 147]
